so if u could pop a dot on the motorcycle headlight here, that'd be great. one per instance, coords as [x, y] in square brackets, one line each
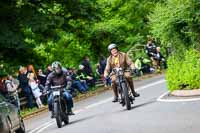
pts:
[120, 72]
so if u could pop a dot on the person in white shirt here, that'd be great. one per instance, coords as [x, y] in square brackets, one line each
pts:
[35, 89]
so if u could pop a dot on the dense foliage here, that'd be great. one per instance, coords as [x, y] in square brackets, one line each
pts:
[177, 24]
[183, 71]
[40, 31]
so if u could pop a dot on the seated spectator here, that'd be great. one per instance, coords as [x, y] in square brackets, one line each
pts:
[87, 67]
[11, 85]
[35, 89]
[158, 57]
[82, 75]
[138, 67]
[81, 86]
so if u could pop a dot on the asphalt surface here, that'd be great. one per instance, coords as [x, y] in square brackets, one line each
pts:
[148, 115]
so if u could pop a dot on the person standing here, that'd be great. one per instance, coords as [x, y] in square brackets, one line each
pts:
[23, 83]
[12, 85]
[35, 89]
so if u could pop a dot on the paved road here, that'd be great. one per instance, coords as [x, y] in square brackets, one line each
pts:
[99, 115]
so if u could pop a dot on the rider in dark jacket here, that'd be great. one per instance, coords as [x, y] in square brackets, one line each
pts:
[56, 78]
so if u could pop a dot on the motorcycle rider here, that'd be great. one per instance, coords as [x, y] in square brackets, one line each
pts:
[58, 77]
[119, 59]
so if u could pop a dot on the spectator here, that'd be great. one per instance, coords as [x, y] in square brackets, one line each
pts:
[146, 68]
[49, 70]
[138, 67]
[100, 72]
[142, 66]
[151, 51]
[31, 69]
[158, 57]
[102, 63]
[82, 75]
[150, 48]
[41, 77]
[2, 86]
[23, 83]
[11, 85]
[35, 89]
[81, 86]
[87, 66]
[41, 84]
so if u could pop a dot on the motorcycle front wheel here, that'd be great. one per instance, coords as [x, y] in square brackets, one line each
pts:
[58, 114]
[126, 96]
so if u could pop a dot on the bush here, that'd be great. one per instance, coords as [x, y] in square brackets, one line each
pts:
[176, 23]
[184, 71]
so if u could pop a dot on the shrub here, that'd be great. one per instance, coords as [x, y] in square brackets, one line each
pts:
[184, 70]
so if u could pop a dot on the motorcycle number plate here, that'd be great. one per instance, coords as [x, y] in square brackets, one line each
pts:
[56, 93]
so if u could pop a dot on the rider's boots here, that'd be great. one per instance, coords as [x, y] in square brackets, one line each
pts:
[70, 112]
[114, 87]
[130, 82]
[52, 114]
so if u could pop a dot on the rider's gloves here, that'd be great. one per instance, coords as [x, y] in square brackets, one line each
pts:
[133, 71]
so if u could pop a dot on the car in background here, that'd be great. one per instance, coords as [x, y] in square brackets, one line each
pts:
[10, 119]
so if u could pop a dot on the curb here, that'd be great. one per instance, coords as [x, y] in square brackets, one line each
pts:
[87, 95]
[185, 93]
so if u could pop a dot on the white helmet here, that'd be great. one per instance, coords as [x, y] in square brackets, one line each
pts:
[112, 46]
[57, 67]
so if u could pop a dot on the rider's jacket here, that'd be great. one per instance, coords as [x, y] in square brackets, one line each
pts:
[124, 62]
[55, 80]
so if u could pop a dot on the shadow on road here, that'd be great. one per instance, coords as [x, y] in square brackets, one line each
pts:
[143, 104]
[81, 120]
[139, 105]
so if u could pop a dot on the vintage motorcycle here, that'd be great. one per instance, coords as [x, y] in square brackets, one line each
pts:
[59, 106]
[126, 97]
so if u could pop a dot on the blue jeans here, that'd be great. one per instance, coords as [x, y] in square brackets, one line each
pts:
[84, 84]
[81, 86]
[68, 98]
[29, 96]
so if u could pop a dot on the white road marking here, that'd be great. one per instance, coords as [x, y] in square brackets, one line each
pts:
[34, 130]
[160, 99]
[99, 103]
[150, 85]
[42, 129]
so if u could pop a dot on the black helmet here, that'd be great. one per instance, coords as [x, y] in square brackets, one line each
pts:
[57, 67]
[112, 46]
